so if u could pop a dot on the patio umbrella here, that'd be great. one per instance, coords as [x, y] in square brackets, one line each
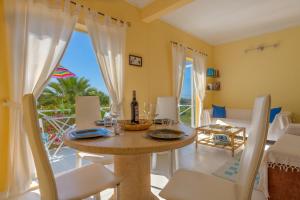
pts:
[61, 72]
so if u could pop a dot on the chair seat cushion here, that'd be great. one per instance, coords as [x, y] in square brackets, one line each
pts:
[84, 182]
[191, 185]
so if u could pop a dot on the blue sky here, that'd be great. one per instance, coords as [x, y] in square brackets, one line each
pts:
[186, 87]
[80, 59]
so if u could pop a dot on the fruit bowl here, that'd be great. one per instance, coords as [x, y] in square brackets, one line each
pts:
[128, 126]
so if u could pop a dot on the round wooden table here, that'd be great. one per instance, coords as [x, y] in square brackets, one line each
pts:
[132, 150]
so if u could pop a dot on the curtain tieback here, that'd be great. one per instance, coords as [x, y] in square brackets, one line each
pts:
[12, 104]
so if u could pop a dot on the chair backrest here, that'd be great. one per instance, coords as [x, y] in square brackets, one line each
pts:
[87, 111]
[167, 108]
[254, 149]
[43, 168]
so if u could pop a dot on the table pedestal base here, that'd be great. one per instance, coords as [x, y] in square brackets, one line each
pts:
[135, 173]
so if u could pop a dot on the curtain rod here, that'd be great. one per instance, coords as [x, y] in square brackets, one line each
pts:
[102, 14]
[204, 54]
[263, 47]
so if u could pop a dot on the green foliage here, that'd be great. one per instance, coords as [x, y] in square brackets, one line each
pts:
[61, 94]
[186, 116]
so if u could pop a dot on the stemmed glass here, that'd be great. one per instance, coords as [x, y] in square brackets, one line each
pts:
[115, 124]
[147, 109]
[152, 114]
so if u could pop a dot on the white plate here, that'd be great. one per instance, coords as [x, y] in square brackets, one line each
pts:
[166, 134]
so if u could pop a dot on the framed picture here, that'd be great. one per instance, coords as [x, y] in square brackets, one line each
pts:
[135, 60]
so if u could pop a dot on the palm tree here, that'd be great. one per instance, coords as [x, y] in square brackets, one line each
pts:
[61, 94]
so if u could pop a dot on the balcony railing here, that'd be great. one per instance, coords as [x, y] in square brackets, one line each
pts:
[185, 113]
[53, 124]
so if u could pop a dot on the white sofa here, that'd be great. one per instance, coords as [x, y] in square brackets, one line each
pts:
[242, 118]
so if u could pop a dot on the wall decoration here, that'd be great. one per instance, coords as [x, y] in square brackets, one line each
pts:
[135, 60]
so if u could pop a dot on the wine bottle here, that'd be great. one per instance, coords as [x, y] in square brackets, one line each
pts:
[134, 109]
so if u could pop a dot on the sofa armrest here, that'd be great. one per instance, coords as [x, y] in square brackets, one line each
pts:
[281, 121]
[279, 125]
[284, 119]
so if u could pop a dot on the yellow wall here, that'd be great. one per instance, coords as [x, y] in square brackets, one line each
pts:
[152, 42]
[273, 71]
[3, 110]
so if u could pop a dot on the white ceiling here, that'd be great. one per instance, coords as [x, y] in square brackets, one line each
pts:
[139, 3]
[221, 21]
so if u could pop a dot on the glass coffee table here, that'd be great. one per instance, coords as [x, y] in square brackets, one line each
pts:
[235, 140]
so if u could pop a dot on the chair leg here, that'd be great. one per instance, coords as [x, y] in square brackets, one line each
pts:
[154, 160]
[78, 160]
[171, 170]
[97, 196]
[173, 162]
[117, 192]
[176, 157]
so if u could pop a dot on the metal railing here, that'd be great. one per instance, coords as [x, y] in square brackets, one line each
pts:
[183, 114]
[54, 124]
[188, 107]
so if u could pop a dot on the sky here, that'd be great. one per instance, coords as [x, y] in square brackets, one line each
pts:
[186, 87]
[80, 59]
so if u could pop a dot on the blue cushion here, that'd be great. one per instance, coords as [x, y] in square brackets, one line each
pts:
[273, 113]
[219, 111]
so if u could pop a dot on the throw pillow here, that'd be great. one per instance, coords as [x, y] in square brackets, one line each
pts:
[219, 111]
[273, 113]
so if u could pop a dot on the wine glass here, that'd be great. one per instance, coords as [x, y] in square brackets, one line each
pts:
[150, 111]
[146, 109]
[152, 114]
[115, 124]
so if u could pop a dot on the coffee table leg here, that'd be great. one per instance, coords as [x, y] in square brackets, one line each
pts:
[135, 173]
[244, 136]
[196, 140]
[232, 145]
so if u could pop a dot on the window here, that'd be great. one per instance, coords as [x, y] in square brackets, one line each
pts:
[79, 74]
[79, 59]
[186, 108]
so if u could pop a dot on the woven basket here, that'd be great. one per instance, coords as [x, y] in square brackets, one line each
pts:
[128, 126]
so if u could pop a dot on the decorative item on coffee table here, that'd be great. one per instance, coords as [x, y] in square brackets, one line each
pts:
[213, 133]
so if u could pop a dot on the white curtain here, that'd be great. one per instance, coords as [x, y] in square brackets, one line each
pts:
[178, 66]
[108, 39]
[179, 60]
[199, 80]
[38, 34]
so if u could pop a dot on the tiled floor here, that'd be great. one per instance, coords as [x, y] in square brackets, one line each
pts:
[204, 159]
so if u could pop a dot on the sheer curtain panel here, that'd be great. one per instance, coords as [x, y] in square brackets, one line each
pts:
[199, 80]
[178, 66]
[38, 31]
[108, 39]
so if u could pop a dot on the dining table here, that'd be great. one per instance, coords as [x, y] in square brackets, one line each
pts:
[132, 156]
